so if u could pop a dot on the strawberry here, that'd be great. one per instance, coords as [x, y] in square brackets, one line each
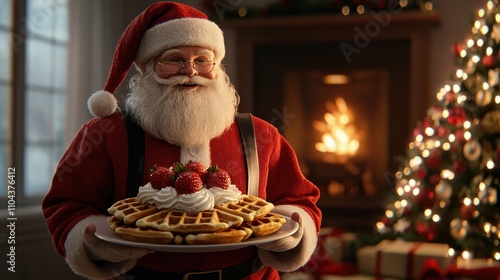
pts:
[197, 167]
[217, 177]
[160, 177]
[188, 182]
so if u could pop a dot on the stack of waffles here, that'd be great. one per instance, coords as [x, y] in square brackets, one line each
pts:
[228, 223]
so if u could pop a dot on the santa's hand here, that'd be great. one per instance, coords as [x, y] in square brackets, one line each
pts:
[289, 242]
[99, 250]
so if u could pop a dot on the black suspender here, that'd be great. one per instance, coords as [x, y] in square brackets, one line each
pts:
[135, 138]
[245, 124]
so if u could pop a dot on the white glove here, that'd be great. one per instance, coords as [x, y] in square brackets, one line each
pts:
[102, 250]
[289, 242]
[94, 258]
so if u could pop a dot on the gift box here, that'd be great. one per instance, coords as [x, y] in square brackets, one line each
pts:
[463, 269]
[401, 259]
[340, 246]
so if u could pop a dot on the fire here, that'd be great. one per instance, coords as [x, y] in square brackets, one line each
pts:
[339, 134]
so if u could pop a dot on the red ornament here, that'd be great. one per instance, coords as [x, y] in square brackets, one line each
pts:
[417, 131]
[422, 228]
[434, 179]
[421, 173]
[489, 61]
[426, 122]
[459, 167]
[450, 96]
[459, 135]
[433, 162]
[426, 198]
[457, 48]
[432, 232]
[442, 131]
[457, 116]
[467, 212]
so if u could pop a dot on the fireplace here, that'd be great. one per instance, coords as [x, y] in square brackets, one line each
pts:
[281, 68]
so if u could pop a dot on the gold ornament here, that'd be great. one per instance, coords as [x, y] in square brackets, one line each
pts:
[458, 228]
[483, 98]
[472, 150]
[491, 122]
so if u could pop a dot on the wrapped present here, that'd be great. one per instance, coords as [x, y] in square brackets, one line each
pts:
[401, 259]
[340, 246]
[464, 269]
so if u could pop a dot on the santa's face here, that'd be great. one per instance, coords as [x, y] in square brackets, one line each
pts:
[184, 107]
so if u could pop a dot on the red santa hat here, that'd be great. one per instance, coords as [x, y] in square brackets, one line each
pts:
[161, 26]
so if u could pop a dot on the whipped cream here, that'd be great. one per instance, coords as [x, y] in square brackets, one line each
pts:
[163, 199]
[203, 200]
[222, 196]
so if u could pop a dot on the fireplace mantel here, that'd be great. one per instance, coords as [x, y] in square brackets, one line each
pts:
[404, 18]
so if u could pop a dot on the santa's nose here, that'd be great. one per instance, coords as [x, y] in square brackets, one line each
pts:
[188, 69]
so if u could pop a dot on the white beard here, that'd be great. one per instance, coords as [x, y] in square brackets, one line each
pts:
[189, 118]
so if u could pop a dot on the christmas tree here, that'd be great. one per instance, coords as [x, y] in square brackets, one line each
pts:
[447, 187]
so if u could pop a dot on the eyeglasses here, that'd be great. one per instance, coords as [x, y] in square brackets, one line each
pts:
[175, 66]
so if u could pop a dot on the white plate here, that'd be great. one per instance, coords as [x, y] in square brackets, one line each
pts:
[104, 232]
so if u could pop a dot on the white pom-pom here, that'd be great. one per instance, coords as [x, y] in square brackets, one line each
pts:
[102, 103]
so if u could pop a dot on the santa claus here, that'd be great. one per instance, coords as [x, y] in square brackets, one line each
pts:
[184, 106]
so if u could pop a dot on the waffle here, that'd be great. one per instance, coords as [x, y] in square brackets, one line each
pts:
[266, 225]
[229, 223]
[190, 222]
[136, 234]
[248, 207]
[130, 210]
[228, 236]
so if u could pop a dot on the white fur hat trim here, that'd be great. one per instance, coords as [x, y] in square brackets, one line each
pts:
[181, 32]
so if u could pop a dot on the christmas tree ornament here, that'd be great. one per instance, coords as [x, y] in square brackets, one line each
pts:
[493, 76]
[459, 167]
[456, 116]
[443, 190]
[492, 196]
[495, 33]
[483, 97]
[490, 123]
[458, 228]
[426, 198]
[489, 61]
[472, 150]
[467, 212]
[433, 162]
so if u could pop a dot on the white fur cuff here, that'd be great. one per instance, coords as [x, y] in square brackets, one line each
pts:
[79, 260]
[293, 259]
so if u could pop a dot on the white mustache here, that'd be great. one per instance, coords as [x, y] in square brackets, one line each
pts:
[182, 80]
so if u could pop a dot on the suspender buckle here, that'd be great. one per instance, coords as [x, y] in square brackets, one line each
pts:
[217, 272]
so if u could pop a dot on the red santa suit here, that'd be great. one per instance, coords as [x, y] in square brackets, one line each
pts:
[92, 175]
